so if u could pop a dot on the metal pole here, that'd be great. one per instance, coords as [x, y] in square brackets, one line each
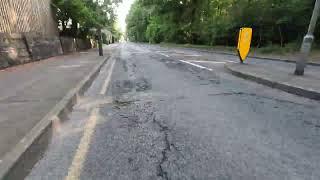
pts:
[100, 42]
[307, 41]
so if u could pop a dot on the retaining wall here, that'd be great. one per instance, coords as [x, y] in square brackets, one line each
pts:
[68, 44]
[13, 50]
[23, 48]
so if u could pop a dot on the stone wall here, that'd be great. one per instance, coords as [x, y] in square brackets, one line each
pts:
[23, 48]
[13, 50]
[28, 32]
[68, 44]
[41, 47]
[83, 44]
[75, 44]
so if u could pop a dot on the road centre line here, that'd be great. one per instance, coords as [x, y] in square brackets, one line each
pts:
[162, 51]
[213, 62]
[163, 54]
[196, 65]
[192, 55]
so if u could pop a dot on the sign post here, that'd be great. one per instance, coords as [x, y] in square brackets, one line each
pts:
[244, 43]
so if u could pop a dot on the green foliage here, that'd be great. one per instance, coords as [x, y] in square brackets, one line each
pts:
[217, 22]
[77, 17]
[137, 22]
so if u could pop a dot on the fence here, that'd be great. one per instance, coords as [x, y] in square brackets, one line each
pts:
[23, 16]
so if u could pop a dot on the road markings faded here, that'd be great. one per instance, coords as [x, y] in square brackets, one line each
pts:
[196, 65]
[191, 55]
[80, 156]
[162, 51]
[164, 54]
[75, 169]
[69, 66]
[107, 81]
[213, 62]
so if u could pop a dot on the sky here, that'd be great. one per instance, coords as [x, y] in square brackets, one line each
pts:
[122, 12]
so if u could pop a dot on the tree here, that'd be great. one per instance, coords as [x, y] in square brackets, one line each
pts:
[217, 22]
[77, 17]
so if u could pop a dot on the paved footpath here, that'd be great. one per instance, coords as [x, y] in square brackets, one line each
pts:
[281, 77]
[28, 92]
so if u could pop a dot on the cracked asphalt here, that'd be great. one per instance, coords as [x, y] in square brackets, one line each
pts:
[162, 118]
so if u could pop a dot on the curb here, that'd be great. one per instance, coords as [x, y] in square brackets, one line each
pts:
[10, 165]
[308, 93]
[256, 57]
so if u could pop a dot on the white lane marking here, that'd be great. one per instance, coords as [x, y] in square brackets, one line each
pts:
[232, 61]
[107, 81]
[76, 167]
[164, 54]
[213, 62]
[163, 51]
[140, 52]
[192, 55]
[196, 65]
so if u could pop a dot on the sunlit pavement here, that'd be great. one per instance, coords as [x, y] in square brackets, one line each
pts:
[158, 113]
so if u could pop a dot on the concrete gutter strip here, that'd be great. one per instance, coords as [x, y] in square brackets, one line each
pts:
[12, 158]
[304, 92]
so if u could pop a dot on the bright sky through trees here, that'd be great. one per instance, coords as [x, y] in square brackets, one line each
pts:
[122, 11]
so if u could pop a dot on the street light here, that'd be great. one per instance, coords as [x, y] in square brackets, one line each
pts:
[100, 42]
[98, 35]
[307, 41]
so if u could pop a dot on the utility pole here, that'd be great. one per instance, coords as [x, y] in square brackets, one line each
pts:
[307, 41]
[100, 42]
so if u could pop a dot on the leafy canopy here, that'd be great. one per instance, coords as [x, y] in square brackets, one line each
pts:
[217, 22]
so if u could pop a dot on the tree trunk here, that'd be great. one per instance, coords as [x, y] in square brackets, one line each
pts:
[281, 37]
[260, 37]
[74, 28]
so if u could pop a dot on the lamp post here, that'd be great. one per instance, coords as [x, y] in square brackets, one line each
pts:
[307, 41]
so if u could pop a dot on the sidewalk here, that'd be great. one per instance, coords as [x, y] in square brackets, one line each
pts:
[29, 92]
[280, 75]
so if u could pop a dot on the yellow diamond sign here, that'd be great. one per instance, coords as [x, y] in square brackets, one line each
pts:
[244, 43]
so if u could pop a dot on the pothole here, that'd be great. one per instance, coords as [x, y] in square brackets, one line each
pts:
[143, 84]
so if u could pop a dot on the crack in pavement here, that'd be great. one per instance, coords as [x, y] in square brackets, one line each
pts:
[161, 172]
[168, 147]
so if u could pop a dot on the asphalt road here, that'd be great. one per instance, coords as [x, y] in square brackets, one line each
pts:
[176, 114]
